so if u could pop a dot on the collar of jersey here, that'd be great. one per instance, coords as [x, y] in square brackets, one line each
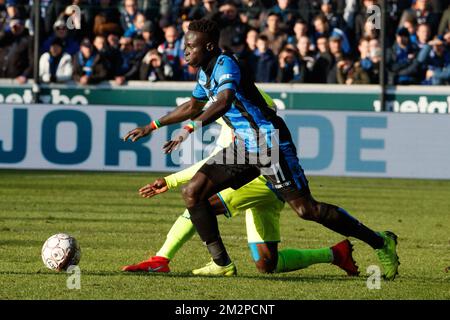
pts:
[210, 67]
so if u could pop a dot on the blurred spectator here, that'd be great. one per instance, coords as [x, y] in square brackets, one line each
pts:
[422, 12]
[113, 41]
[370, 57]
[300, 29]
[335, 20]
[16, 52]
[364, 71]
[251, 39]
[292, 29]
[322, 28]
[52, 11]
[345, 71]
[309, 9]
[55, 65]
[307, 56]
[411, 26]
[171, 51]
[251, 13]
[324, 61]
[138, 53]
[110, 57]
[401, 60]
[287, 14]
[106, 17]
[206, 9]
[435, 58]
[370, 30]
[422, 36]
[395, 10]
[350, 11]
[245, 55]
[375, 56]
[149, 35]
[335, 44]
[362, 16]
[181, 10]
[136, 27]
[230, 23]
[153, 69]
[83, 23]
[127, 61]
[290, 67]
[128, 13]
[266, 65]
[70, 45]
[275, 36]
[10, 9]
[444, 25]
[189, 72]
[109, 9]
[88, 66]
[113, 55]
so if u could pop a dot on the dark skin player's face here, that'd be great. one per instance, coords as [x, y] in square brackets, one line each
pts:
[198, 49]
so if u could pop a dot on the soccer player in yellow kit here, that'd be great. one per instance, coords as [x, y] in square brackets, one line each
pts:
[262, 207]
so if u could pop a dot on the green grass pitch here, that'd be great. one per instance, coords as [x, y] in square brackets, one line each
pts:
[116, 227]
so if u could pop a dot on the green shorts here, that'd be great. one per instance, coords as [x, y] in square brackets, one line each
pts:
[261, 206]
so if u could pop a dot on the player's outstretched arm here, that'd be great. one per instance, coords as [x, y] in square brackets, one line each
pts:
[157, 187]
[215, 111]
[183, 112]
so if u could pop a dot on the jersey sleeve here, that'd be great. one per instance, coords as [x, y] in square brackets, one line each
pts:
[227, 74]
[199, 93]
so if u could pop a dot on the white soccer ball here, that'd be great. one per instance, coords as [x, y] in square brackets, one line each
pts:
[60, 251]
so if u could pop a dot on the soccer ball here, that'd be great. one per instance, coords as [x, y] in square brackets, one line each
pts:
[60, 251]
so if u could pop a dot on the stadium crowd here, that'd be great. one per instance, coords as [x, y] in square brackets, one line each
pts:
[283, 41]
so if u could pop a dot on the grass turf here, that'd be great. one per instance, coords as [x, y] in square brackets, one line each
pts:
[116, 227]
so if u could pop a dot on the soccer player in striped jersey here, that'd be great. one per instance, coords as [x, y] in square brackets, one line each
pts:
[262, 146]
[262, 206]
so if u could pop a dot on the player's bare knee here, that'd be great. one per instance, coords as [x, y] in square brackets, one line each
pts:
[189, 195]
[308, 211]
[266, 266]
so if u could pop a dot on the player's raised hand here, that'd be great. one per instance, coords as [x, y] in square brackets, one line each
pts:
[157, 187]
[138, 133]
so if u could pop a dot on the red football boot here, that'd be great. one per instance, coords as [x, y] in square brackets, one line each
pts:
[154, 264]
[342, 257]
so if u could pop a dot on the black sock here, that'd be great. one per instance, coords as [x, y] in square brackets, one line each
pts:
[339, 220]
[219, 253]
[205, 223]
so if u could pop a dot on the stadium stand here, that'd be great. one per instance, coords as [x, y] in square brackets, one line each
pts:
[283, 41]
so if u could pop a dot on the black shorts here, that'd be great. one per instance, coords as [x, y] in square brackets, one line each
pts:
[231, 168]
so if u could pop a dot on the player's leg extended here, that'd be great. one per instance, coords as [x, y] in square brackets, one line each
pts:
[337, 219]
[263, 234]
[214, 176]
[196, 195]
[181, 232]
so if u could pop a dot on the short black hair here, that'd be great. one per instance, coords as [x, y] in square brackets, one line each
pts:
[206, 26]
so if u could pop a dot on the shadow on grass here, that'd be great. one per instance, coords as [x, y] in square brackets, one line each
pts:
[308, 278]
[146, 217]
[258, 277]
